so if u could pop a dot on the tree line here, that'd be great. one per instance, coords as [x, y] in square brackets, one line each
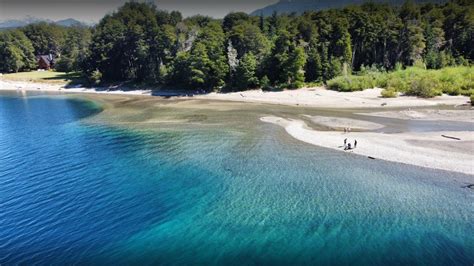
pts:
[143, 44]
[19, 47]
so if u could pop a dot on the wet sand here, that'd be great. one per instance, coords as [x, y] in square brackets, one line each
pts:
[465, 115]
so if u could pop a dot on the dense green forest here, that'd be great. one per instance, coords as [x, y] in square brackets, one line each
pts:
[143, 44]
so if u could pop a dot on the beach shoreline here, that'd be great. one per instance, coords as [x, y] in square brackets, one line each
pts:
[317, 97]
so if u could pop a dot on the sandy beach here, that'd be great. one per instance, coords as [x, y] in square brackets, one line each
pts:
[47, 87]
[323, 98]
[318, 97]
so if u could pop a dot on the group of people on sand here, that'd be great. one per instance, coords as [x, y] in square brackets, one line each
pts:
[348, 146]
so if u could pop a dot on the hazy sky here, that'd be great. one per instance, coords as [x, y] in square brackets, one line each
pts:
[93, 11]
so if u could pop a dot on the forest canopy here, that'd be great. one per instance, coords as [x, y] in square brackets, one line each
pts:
[143, 44]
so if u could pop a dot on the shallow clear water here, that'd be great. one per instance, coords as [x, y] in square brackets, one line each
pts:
[72, 191]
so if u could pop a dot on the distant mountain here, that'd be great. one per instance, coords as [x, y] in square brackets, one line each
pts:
[69, 22]
[299, 6]
[16, 23]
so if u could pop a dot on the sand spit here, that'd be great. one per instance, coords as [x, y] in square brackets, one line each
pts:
[422, 149]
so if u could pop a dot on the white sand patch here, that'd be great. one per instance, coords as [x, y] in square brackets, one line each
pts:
[341, 123]
[320, 97]
[428, 114]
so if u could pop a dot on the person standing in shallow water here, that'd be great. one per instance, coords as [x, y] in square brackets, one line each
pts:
[355, 143]
[345, 142]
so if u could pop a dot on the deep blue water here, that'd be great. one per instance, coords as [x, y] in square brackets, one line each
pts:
[77, 192]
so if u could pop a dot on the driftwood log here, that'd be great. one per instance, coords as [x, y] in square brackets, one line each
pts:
[449, 137]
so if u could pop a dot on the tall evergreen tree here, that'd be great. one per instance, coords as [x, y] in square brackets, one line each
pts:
[208, 62]
[16, 52]
[133, 43]
[245, 76]
[45, 38]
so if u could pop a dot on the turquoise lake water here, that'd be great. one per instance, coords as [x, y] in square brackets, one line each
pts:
[91, 193]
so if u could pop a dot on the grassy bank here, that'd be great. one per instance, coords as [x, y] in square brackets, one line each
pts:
[51, 77]
[411, 81]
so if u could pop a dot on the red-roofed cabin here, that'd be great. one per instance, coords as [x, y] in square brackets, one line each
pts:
[45, 61]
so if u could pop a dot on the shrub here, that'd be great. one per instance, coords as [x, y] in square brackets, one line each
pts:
[461, 61]
[296, 85]
[381, 80]
[419, 64]
[95, 77]
[451, 90]
[426, 87]
[352, 83]
[281, 86]
[389, 93]
[398, 66]
[467, 93]
[397, 84]
[467, 87]
[415, 81]
[456, 80]
[64, 64]
[313, 84]
[472, 99]
[339, 84]
[368, 82]
[265, 82]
